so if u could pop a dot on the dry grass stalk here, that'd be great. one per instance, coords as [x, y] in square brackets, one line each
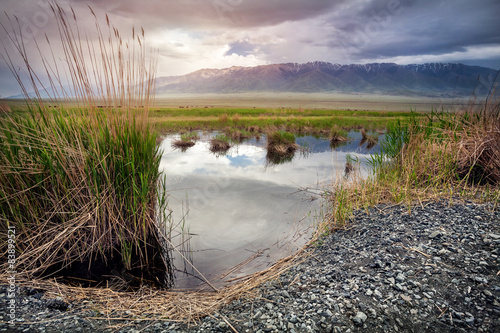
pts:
[84, 180]
[153, 304]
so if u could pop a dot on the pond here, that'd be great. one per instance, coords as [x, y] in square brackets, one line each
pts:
[237, 213]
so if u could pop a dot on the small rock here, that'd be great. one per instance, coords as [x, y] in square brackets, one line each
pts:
[398, 287]
[406, 298]
[481, 279]
[360, 318]
[57, 304]
[435, 234]
[427, 295]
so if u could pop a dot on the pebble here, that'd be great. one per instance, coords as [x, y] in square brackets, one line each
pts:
[360, 318]
[399, 270]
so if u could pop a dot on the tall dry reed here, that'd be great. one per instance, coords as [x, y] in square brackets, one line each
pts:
[80, 182]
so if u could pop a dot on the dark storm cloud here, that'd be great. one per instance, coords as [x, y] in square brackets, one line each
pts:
[390, 28]
[216, 13]
[194, 34]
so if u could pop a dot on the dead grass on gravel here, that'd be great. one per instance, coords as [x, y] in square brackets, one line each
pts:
[152, 304]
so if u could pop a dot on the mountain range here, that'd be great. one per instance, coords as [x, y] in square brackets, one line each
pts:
[431, 79]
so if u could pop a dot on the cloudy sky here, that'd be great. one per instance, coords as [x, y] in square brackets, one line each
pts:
[195, 34]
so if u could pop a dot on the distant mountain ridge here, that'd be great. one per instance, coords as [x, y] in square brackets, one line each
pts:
[431, 79]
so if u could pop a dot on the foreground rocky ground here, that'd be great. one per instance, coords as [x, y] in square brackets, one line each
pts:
[434, 270]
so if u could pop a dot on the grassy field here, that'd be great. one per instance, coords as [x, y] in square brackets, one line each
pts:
[312, 121]
[257, 120]
[320, 101]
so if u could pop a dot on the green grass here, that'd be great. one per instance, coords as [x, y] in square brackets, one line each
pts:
[291, 120]
[81, 184]
[190, 136]
[280, 147]
[219, 144]
[453, 155]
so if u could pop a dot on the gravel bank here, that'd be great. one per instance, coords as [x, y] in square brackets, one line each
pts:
[434, 270]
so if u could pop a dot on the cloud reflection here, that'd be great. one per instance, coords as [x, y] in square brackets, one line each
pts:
[236, 205]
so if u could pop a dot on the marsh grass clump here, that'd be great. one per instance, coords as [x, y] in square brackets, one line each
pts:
[281, 143]
[239, 136]
[254, 129]
[224, 118]
[186, 141]
[350, 164]
[455, 155]
[369, 139]
[81, 185]
[337, 137]
[281, 147]
[220, 144]
[236, 117]
[448, 149]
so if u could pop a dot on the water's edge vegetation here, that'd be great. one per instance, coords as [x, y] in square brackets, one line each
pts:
[446, 154]
[80, 183]
[82, 188]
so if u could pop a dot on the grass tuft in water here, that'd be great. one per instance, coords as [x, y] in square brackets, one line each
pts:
[186, 141]
[281, 143]
[220, 144]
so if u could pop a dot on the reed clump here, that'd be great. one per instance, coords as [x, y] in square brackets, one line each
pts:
[81, 185]
[220, 144]
[281, 143]
[337, 135]
[369, 139]
[455, 155]
[224, 118]
[186, 141]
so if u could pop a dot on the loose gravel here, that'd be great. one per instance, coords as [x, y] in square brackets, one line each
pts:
[436, 269]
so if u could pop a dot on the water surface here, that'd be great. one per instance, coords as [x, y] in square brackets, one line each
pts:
[237, 209]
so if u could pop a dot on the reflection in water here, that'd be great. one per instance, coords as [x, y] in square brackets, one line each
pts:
[276, 159]
[239, 211]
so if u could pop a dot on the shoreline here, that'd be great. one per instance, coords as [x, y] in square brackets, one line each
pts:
[436, 269]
